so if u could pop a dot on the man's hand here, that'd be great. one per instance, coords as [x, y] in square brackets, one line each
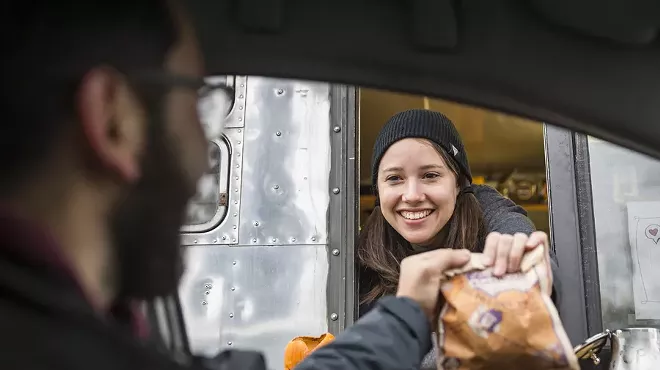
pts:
[505, 251]
[421, 275]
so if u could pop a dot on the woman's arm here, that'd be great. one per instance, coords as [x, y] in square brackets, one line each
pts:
[501, 214]
[504, 216]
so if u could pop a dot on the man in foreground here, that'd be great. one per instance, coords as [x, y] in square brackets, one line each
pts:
[102, 149]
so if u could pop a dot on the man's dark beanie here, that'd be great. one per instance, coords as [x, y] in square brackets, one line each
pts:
[423, 124]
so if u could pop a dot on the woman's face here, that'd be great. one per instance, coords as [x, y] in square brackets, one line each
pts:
[417, 190]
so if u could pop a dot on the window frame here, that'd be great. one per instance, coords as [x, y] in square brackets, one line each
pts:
[572, 231]
[224, 173]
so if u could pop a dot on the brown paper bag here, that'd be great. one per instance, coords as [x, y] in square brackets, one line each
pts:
[508, 322]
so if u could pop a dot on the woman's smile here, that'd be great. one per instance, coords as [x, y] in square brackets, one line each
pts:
[415, 216]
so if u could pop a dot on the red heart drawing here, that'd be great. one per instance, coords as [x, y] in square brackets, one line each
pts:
[653, 232]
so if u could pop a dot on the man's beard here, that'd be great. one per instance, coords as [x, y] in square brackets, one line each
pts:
[145, 225]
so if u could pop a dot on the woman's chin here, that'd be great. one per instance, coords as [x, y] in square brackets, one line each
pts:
[423, 240]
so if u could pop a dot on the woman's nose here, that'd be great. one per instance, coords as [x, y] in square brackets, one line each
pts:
[413, 193]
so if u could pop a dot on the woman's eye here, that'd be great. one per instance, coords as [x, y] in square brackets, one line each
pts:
[431, 175]
[392, 178]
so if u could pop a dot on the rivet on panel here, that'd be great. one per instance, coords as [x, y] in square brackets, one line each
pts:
[239, 142]
[278, 133]
[224, 237]
[335, 191]
[236, 190]
[240, 96]
[195, 241]
[239, 131]
[231, 315]
[240, 119]
[293, 240]
[274, 240]
[208, 286]
[240, 107]
[236, 178]
[254, 240]
[233, 240]
[313, 238]
[234, 263]
[335, 252]
[234, 227]
[276, 186]
[215, 240]
[238, 166]
[229, 343]
[336, 129]
[256, 223]
[233, 289]
[334, 317]
[242, 85]
[207, 292]
[235, 202]
[235, 215]
[280, 91]
[204, 303]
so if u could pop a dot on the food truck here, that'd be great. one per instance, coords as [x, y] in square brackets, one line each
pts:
[270, 237]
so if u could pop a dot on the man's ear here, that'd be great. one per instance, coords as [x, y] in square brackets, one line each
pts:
[112, 121]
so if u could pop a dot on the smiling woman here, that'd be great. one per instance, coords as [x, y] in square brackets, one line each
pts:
[426, 200]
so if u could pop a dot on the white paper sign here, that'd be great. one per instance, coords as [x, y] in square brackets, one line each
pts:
[644, 235]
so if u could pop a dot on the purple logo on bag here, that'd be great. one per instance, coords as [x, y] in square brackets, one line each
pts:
[485, 321]
[490, 319]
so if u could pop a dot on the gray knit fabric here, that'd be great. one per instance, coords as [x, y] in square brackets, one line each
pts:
[429, 361]
[501, 214]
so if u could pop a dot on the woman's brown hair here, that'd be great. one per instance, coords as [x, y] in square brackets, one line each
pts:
[381, 248]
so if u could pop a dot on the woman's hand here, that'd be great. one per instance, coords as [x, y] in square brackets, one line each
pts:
[505, 251]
